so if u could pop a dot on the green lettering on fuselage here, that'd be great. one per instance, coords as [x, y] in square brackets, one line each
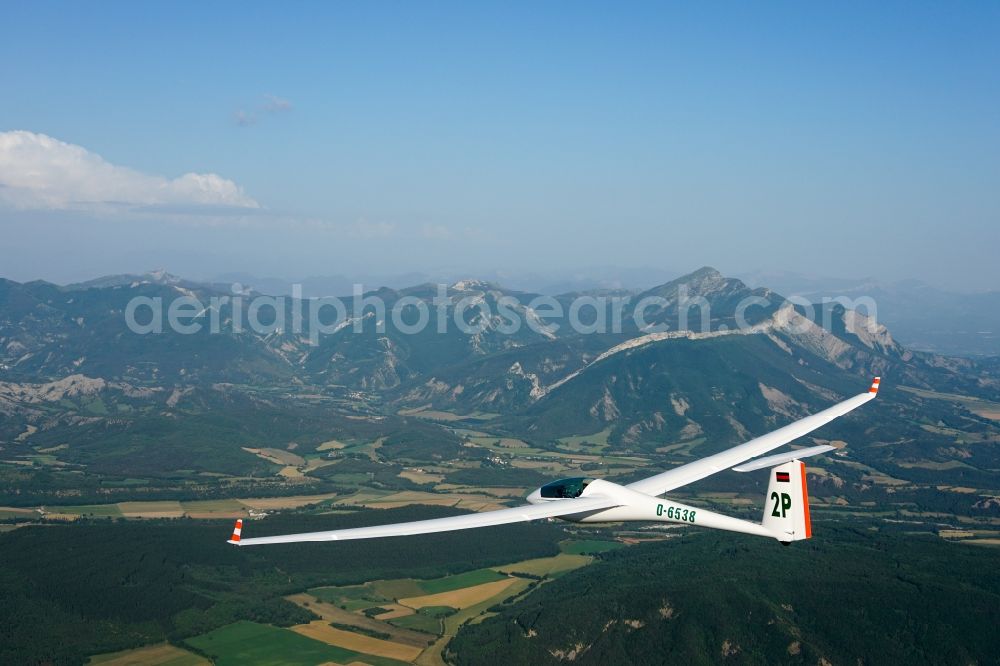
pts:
[677, 513]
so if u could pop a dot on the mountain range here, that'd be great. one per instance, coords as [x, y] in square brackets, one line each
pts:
[69, 365]
[920, 315]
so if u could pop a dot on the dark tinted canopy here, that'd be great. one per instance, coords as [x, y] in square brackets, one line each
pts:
[564, 488]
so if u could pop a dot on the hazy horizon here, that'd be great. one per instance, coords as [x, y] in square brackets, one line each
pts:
[455, 139]
[636, 278]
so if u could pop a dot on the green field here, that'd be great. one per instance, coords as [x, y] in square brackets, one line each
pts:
[426, 619]
[458, 581]
[250, 644]
[589, 546]
[398, 589]
[352, 598]
[587, 443]
[97, 510]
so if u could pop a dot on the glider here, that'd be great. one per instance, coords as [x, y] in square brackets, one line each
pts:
[586, 500]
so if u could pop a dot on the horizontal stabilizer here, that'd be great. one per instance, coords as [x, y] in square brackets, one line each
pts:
[772, 461]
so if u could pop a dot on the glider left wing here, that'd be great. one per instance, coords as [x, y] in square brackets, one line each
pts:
[566, 507]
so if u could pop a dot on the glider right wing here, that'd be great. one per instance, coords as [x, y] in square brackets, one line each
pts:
[699, 469]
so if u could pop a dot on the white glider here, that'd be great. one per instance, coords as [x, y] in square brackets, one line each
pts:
[585, 500]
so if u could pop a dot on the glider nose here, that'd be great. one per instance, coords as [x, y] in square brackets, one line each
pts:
[535, 497]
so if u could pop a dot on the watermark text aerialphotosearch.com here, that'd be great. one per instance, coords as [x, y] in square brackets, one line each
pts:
[469, 313]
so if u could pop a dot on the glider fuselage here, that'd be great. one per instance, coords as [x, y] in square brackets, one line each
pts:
[632, 505]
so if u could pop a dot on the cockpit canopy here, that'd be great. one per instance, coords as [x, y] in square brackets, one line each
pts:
[565, 488]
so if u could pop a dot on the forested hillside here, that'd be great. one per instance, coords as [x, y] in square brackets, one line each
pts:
[852, 595]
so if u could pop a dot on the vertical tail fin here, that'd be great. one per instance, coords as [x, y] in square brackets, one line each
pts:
[786, 505]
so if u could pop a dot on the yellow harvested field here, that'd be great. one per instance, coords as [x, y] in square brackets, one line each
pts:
[475, 505]
[421, 476]
[417, 497]
[395, 610]
[424, 413]
[277, 456]
[535, 464]
[331, 613]
[472, 502]
[168, 509]
[208, 509]
[463, 598]
[332, 444]
[163, 654]
[548, 565]
[316, 463]
[291, 472]
[322, 631]
[432, 656]
[470, 505]
[394, 504]
[495, 491]
[53, 449]
[984, 408]
[930, 464]
[19, 511]
[364, 495]
[76, 516]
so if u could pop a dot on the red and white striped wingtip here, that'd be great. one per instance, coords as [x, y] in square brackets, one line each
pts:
[874, 388]
[237, 529]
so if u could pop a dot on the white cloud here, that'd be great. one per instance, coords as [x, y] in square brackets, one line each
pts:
[275, 104]
[244, 119]
[41, 173]
[441, 232]
[362, 228]
[272, 105]
[436, 232]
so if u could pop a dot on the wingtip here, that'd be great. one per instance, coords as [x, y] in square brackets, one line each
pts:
[874, 387]
[237, 530]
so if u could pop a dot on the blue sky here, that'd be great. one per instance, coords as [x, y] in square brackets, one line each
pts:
[839, 138]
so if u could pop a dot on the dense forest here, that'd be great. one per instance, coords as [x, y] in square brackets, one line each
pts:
[857, 595]
[91, 587]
